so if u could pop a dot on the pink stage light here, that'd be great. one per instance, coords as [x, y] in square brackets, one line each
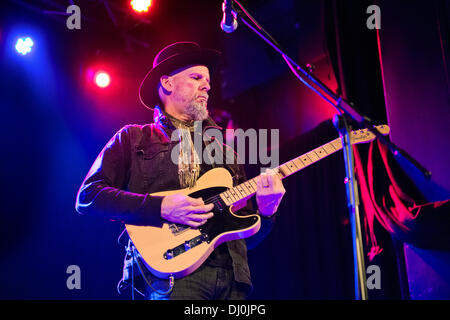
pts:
[102, 79]
[141, 5]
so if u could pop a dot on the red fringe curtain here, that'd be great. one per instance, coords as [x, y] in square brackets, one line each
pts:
[390, 197]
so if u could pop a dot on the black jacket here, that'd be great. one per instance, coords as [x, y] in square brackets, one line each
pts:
[137, 162]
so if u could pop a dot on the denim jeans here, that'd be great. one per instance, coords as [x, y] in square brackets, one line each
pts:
[206, 283]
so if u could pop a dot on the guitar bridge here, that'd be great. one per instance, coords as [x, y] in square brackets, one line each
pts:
[177, 229]
[187, 245]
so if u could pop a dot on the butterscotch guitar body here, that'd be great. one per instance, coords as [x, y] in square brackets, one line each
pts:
[176, 250]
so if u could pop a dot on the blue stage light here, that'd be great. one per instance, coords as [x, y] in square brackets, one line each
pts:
[24, 45]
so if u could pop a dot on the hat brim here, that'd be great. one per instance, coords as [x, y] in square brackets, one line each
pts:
[148, 90]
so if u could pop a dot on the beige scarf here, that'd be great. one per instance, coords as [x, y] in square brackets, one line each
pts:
[188, 160]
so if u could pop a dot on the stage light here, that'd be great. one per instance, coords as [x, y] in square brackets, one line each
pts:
[24, 45]
[141, 5]
[102, 79]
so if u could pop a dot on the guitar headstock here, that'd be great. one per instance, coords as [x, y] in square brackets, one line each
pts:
[364, 135]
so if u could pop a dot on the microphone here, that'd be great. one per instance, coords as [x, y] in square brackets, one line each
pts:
[229, 22]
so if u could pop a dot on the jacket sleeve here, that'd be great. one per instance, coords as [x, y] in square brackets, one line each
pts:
[266, 223]
[103, 191]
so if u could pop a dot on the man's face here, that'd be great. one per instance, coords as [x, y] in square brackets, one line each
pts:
[188, 96]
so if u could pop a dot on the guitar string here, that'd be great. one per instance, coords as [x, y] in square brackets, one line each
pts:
[213, 199]
[217, 197]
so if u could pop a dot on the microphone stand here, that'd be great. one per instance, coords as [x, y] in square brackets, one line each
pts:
[346, 113]
[360, 287]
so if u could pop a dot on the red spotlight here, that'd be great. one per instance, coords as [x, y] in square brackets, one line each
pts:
[141, 5]
[102, 79]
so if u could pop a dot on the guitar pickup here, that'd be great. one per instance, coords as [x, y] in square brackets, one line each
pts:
[187, 245]
[218, 206]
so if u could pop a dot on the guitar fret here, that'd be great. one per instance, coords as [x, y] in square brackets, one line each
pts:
[299, 165]
[225, 198]
[253, 184]
[313, 156]
[233, 199]
[292, 166]
[285, 166]
[329, 148]
[338, 142]
[321, 152]
[331, 144]
[230, 196]
[240, 194]
[284, 173]
[253, 188]
[306, 161]
[246, 187]
[234, 194]
[317, 155]
[242, 190]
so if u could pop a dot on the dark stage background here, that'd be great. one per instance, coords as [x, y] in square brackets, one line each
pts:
[55, 123]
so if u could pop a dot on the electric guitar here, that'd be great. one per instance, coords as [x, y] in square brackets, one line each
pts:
[175, 250]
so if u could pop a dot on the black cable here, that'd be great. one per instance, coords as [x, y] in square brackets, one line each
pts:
[132, 279]
[171, 278]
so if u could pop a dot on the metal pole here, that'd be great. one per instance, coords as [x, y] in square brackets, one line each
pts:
[353, 205]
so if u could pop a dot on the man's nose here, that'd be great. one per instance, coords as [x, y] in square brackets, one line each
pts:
[205, 86]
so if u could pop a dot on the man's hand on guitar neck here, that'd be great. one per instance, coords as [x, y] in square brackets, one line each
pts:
[269, 192]
[179, 208]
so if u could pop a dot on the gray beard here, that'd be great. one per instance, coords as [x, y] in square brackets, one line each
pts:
[196, 111]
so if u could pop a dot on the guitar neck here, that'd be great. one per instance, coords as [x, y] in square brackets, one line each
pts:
[248, 189]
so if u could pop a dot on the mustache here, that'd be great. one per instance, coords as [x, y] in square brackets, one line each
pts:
[206, 96]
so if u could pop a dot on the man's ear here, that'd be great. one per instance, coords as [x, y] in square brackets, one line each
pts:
[166, 83]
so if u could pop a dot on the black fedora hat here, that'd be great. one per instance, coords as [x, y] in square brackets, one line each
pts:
[175, 56]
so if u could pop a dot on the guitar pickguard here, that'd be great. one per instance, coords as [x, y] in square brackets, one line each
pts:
[224, 220]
